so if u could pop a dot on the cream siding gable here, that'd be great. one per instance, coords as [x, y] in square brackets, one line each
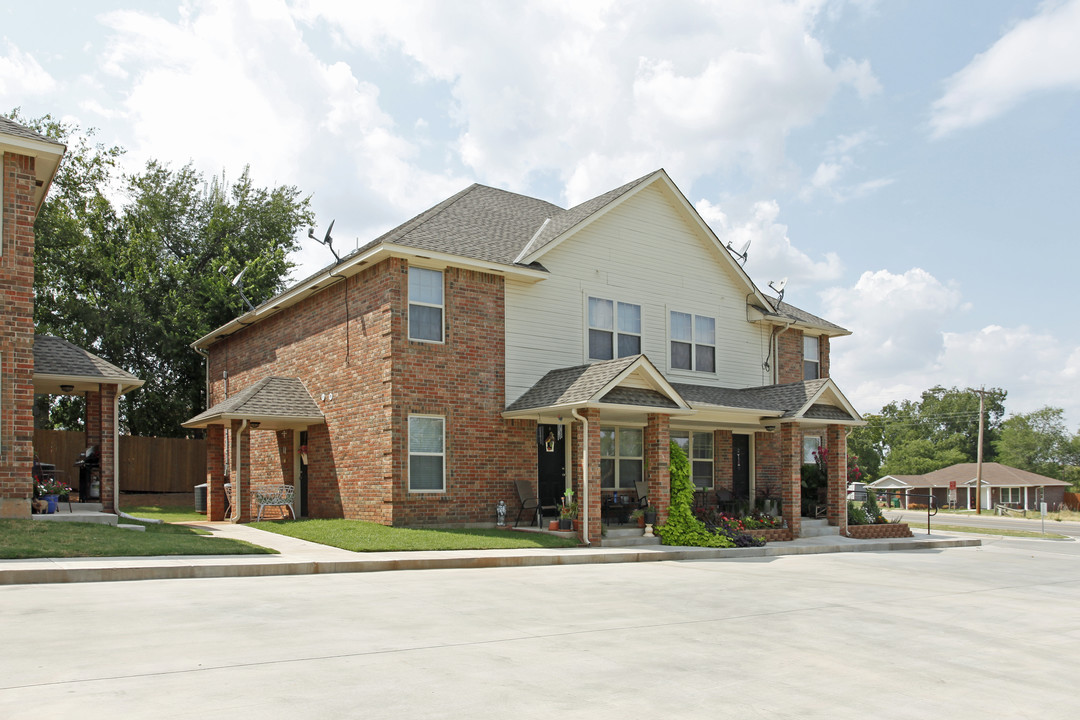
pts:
[648, 252]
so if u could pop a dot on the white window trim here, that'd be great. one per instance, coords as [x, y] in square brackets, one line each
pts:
[409, 454]
[693, 345]
[615, 332]
[617, 457]
[816, 361]
[442, 309]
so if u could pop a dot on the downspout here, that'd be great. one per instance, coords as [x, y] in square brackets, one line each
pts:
[774, 350]
[584, 472]
[236, 473]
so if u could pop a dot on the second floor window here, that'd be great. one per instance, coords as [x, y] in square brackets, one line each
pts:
[614, 329]
[425, 304]
[811, 357]
[693, 342]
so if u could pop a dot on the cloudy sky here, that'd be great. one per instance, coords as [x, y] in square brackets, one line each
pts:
[912, 167]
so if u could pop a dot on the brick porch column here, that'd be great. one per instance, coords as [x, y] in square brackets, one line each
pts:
[657, 464]
[791, 475]
[100, 422]
[592, 533]
[215, 472]
[836, 437]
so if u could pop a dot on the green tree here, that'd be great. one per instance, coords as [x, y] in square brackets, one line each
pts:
[136, 284]
[1038, 442]
[938, 430]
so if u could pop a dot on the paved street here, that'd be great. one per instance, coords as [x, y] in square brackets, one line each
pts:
[957, 633]
[917, 520]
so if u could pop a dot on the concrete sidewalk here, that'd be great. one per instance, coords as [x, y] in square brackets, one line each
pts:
[299, 557]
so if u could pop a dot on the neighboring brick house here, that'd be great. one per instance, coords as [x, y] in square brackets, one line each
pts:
[32, 364]
[497, 337]
[1001, 485]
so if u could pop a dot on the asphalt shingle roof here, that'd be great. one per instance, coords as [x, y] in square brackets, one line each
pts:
[56, 356]
[567, 386]
[788, 398]
[271, 397]
[10, 127]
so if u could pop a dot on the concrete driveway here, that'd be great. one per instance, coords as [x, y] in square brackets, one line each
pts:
[959, 633]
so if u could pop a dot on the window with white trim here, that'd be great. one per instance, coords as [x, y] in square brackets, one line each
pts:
[810, 445]
[1011, 495]
[425, 304]
[698, 447]
[614, 329]
[693, 342]
[811, 357]
[427, 453]
[622, 457]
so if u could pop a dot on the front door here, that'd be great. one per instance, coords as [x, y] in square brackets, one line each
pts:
[550, 463]
[740, 467]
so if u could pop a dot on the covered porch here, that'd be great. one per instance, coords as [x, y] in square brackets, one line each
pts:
[266, 420]
[62, 368]
[604, 432]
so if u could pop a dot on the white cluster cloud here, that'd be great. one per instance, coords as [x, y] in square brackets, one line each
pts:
[1038, 54]
[602, 92]
[839, 161]
[904, 341]
[771, 254]
[21, 76]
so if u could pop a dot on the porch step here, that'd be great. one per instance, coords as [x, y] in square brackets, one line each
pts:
[626, 537]
[77, 516]
[811, 527]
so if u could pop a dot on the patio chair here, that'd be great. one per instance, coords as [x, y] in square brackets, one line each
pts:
[641, 487]
[531, 501]
[274, 496]
[725, 501]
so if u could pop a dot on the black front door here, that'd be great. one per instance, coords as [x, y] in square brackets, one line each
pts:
[550, 463]
[740, 467]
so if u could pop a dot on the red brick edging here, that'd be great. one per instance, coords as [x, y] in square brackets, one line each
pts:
[771, 534]
[879, 532]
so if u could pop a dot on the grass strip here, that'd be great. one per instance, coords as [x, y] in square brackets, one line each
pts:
[21, 539]
[164, 513]
[370, 537]
[1002, 531]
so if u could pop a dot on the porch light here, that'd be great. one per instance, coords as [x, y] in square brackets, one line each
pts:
[67, 388]
[255, 425]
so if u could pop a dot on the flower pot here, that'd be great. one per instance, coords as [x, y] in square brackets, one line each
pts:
[566, 524]
[650, 517]
[553, 525]
[52, 500]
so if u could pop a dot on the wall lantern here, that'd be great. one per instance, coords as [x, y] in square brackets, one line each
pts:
[67, 388]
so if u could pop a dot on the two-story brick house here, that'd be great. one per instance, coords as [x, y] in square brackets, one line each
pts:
[497, 337]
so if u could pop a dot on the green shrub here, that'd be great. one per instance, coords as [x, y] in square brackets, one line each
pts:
[682, 528]
[855, 514]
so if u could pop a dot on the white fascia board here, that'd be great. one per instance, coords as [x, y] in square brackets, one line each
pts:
[831, 387]
[29, 146]
[709, 407]
[127, 382]
[348, 268]
[280, 420]
[883, 482]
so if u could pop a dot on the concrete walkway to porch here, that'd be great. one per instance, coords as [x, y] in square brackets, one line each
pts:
[299, 557]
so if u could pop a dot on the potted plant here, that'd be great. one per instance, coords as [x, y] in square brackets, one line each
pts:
[649, 515]
[51, 489]
[568, 510]
[638, 516]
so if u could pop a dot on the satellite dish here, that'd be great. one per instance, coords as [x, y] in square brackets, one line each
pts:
[741, 252]
[778, 288]
[237, 284]
[327, 241]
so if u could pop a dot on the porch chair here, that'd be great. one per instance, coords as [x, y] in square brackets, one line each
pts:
[641, 487]
[531, 501]
[274, 496]
[725, 501]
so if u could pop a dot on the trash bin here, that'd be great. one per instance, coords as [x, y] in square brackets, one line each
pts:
[200, 498]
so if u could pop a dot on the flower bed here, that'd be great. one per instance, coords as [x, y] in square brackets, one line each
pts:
[879, 531]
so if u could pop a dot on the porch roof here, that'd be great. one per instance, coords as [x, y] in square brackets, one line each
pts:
[276, 403]
[963, 474]
[58, 362]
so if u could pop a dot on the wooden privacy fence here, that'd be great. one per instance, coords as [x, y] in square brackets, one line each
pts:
[1072, 500]
[147, 464]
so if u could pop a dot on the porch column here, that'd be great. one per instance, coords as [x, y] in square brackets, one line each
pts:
[791, 475]
[100, 427]
[592, 532]
[837, 502]
[215, 472]
[242, 455]
[657, 464]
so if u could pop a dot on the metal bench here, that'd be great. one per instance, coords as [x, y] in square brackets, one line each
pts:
[274, 496]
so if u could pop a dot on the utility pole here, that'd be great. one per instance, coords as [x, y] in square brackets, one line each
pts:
[978, 464]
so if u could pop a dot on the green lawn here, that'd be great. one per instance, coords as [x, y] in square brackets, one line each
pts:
[999, 531]
[164, 513]
[45, 539]
[370, 537]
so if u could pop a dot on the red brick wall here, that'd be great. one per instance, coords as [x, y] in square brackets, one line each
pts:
[657, 464]
[358, 461]
[17, 336]
[100, 431]
[789, 353]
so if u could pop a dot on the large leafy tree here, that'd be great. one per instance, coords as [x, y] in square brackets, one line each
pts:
[137, 279]
[939, 429]
[1039, 442]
